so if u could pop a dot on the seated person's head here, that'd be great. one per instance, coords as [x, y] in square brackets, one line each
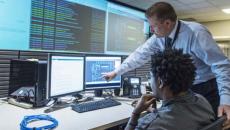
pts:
[172, 73]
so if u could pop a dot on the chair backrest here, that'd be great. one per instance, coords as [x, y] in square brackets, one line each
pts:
[216, 125]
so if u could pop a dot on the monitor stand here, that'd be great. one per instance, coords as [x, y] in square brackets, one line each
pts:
[117, 91]
[98, 93]
[58, 104]
[104, 93]
[77, 96]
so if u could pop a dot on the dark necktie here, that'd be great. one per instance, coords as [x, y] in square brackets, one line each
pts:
[168, 43]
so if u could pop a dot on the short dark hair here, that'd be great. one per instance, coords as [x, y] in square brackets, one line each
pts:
[174, 68]
[162, 11]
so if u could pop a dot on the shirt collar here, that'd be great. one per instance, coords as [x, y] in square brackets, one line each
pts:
[172, 34]
[188, 96]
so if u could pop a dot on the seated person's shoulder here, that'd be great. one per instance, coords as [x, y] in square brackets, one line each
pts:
[192, 114]
[199, 96]
[201, 99]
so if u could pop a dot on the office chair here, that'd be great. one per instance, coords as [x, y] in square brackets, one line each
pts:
[216, 125]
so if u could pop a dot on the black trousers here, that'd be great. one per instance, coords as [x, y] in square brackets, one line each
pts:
[209, 90]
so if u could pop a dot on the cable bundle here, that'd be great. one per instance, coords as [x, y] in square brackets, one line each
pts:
[32, 118]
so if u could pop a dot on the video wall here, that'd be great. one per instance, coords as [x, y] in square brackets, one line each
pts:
[71, 26]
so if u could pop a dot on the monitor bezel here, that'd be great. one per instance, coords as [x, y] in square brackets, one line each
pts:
[102, 86]
[49, 74]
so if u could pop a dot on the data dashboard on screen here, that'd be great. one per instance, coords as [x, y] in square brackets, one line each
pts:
[96, 67]
[64, 25]
[70, 26]
[126, 29]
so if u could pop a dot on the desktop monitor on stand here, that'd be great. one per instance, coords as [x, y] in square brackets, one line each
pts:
[66, 75]
[95, 66]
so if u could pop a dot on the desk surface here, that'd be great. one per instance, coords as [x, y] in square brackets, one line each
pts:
[11, 116]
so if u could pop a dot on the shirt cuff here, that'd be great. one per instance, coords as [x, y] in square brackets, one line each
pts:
[224, 99]
[118, 71]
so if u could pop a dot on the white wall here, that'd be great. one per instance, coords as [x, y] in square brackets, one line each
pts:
[219, 28]
[221, 33]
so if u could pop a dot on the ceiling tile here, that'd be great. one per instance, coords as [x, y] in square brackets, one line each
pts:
[200, 5]
[191, 1]
[219, 2]
[204, 10]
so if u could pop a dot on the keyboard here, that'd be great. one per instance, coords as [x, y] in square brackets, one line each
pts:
[94, 105]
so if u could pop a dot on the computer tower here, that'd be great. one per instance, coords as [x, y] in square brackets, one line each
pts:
[41, 85]
[28, 79]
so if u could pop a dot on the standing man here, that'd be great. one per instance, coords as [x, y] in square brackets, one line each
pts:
[213, 67]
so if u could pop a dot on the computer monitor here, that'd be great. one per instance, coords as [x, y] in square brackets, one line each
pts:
[66, 75]
[95, 67]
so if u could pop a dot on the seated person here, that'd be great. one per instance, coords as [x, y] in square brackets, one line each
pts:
[172, 74]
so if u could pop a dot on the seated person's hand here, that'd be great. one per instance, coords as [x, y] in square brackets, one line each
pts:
[109, 76]
[144, 103]
[225, 109]
[134, 103]
[152, 107]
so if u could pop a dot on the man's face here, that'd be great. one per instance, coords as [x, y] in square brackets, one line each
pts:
[158, 27]
[155, 86]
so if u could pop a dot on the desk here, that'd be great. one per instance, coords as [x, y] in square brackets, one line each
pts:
[11, 116]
